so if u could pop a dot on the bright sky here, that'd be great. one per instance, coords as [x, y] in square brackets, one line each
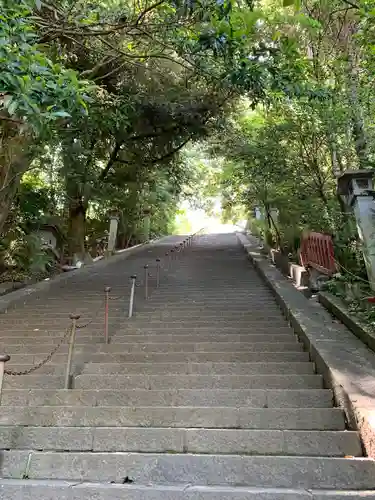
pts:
[199, 219]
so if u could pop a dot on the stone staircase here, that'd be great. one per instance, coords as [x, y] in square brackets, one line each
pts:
[206, 394]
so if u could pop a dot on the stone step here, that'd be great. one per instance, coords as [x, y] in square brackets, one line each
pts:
[210, 293]
[34, 339]
[158, 336]
[253, 398]
[196, 322]
[51, 490]
[187, 381]
[44, 349]
[148, 323]
[233, 308]
[201, 338]
[216, 305]
[199, 368]
[183, 329]
[200, 347]
[54, 369]
[182, 440]
[235, 299]
[131, 331]
[41, 381]
[203, 357]
[161, 382]
[47, 321]
[179, 287]
[184, 301]
[198, 417]
[224, 470]
[170, 316]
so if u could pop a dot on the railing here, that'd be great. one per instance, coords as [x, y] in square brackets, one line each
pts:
[317, 252]
[70, 334]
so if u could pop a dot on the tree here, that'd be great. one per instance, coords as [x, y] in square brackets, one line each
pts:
[35, 94]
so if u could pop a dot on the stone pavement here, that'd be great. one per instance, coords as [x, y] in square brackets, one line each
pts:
[204, 394]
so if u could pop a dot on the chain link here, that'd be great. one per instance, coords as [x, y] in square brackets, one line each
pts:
[44, 361]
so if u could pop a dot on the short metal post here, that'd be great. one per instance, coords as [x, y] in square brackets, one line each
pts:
[176, 252]
[4, 358]
[74, 318]
[107, 289]
[132, 293]
[157, 273]
[146, 281]
[181, 247]
[171, 258]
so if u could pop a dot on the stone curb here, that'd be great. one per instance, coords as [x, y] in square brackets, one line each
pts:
[336, 307]
[347, 365]
[12, 299]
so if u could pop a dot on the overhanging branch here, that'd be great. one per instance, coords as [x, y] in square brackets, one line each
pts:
[352, 4]
[147, 10]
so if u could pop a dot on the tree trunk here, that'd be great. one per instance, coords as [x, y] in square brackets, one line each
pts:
[14, 162]
[77, 228]
[7, 194]
[359, 132]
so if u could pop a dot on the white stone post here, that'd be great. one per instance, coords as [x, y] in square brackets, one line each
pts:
[364, 211]
[112, 237]
[258, 214]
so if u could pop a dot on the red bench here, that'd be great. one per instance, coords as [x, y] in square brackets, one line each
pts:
[317, 252]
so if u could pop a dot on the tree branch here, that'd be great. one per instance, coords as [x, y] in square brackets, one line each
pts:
[111, 161]
[147, 10]
[352, 4]
[173, 152]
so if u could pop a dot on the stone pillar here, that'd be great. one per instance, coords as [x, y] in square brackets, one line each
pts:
[146, 225]
[113, 226]
[364, 211]
[356, 188]
[258, 214]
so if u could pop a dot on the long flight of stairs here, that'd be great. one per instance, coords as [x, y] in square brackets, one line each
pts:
[206, 394]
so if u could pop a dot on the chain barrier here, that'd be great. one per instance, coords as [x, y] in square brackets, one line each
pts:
[71, 330]
[45, 360]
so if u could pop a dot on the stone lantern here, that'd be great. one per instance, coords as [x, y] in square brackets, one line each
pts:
[356, 190]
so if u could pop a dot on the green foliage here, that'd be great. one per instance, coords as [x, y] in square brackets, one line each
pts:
[24, 256]
[35, 90]
[27, 254]
[32, 203]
